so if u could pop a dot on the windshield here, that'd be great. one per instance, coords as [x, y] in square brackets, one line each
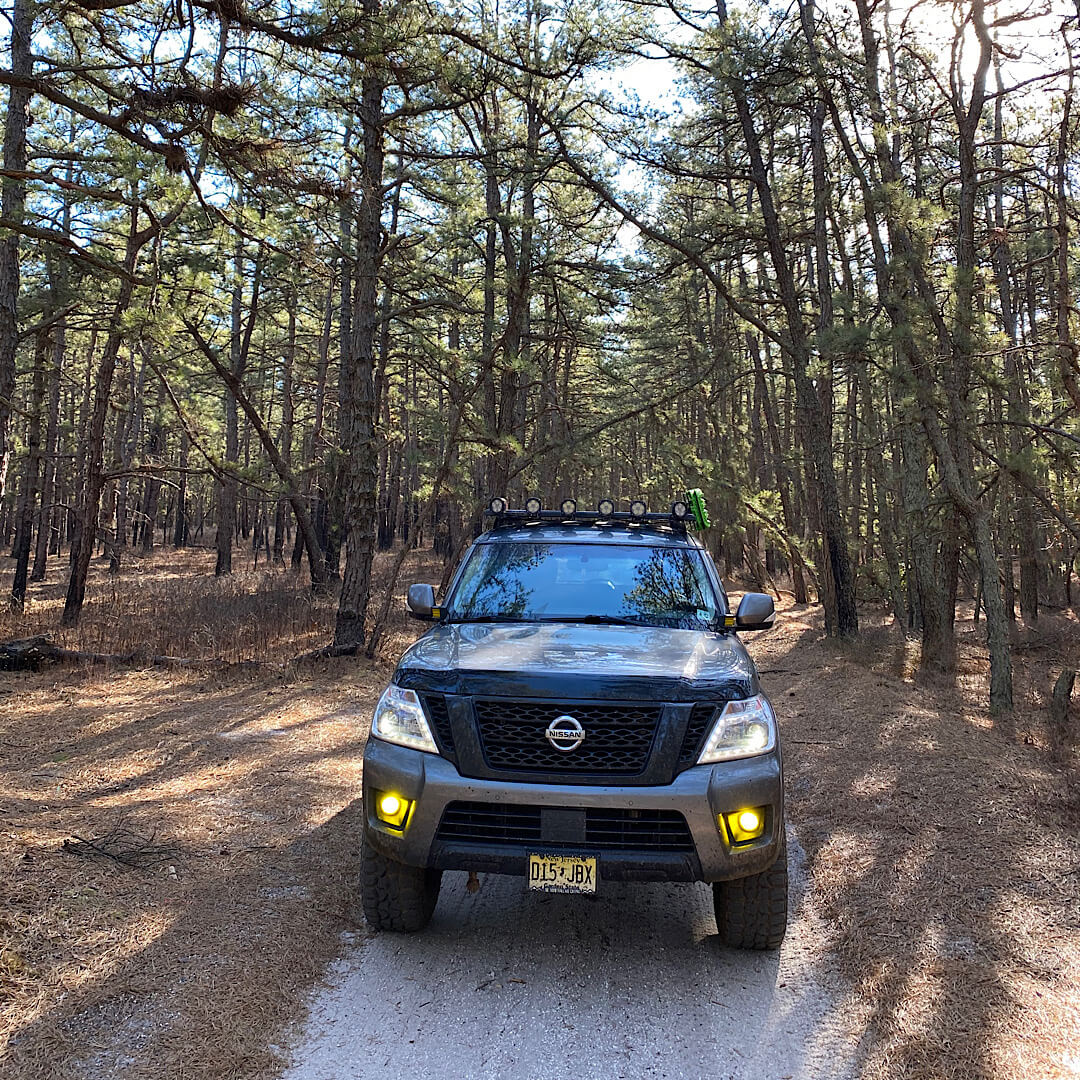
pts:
[586, 582]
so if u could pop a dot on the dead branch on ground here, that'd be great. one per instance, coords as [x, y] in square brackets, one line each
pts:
[30, 654]
[125, 846]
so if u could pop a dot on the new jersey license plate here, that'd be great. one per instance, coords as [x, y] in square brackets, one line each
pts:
[562, 873]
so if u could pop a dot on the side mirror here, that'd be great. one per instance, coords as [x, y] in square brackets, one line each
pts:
[421, 600]
[756, 612]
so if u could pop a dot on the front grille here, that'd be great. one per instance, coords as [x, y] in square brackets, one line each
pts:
[617, 737]
[637, 830]
[602, 828]
[490, 823]
[700, 718]
[439, 718]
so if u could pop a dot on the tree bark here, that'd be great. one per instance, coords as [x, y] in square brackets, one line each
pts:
[12, 208]
[229, 488]
[48, 515]
[86, 533]
[286, 425]
[1067, 348]
[28, 498]
[181, 523]
[359, 451]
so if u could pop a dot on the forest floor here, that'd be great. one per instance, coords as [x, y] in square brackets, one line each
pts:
[942, 859]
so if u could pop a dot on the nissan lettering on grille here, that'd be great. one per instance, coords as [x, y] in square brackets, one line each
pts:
[565, 733]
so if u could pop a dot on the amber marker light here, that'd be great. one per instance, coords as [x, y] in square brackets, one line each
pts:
[391, 809]
[745, 825]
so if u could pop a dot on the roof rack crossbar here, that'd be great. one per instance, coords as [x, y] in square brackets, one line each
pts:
[589, 516]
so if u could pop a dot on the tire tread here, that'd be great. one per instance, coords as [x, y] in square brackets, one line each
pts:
[751, 912]
[394, 896]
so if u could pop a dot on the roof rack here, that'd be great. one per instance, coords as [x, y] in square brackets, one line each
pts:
[589, 517]
[681, 516]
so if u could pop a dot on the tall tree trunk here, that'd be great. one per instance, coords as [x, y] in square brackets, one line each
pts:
[28, 498]
[1022, 526]
[1067, 348]
[359, 450]
[313, 485]
[286, 425]
[12, 208]
[48, 515]
[228, 487]
[128, 419]
[181, 524]
[81, 446]
[86, 534]
[385, 537]
[494, 483]
[335, 497]
[155, 445]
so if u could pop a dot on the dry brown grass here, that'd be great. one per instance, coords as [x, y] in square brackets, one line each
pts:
[192, 965]
[942, 848]
[195, 967]
[170, 604]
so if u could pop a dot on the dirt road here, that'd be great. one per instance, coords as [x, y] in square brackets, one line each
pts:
[956, 935]
[632, 983]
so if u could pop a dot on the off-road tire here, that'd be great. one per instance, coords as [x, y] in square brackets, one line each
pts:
[394, 896]
[751, 912]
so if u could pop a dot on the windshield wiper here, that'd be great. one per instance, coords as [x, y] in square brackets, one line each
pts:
[612, 620]
[657, 622]
[600, 620]
[488, 618]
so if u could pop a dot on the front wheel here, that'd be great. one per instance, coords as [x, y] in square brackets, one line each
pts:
[394, 896]
[751, 912]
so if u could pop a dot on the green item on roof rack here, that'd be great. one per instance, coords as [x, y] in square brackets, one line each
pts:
[698, 511]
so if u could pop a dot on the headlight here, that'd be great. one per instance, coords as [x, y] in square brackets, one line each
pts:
[399, 718]
[743, 729]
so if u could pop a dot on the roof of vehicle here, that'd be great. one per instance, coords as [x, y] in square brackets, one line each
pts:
[545, 532]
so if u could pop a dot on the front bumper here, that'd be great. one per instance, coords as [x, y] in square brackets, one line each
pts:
[699, 794]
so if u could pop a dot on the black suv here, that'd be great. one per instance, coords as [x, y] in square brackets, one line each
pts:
[582, 711]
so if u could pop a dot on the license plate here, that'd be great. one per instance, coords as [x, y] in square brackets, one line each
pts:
[562, 873]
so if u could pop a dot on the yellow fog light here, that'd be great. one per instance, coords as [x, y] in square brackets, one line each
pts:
[391, 809]
[745, 825]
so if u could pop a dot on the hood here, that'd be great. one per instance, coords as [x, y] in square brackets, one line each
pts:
[578, 662]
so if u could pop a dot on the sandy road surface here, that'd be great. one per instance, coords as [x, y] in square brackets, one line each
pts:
[631, 983]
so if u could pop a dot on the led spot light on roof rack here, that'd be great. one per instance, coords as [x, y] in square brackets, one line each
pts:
[686, 513]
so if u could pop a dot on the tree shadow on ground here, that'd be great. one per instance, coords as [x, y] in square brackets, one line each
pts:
[939, 864]
[190, 967]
